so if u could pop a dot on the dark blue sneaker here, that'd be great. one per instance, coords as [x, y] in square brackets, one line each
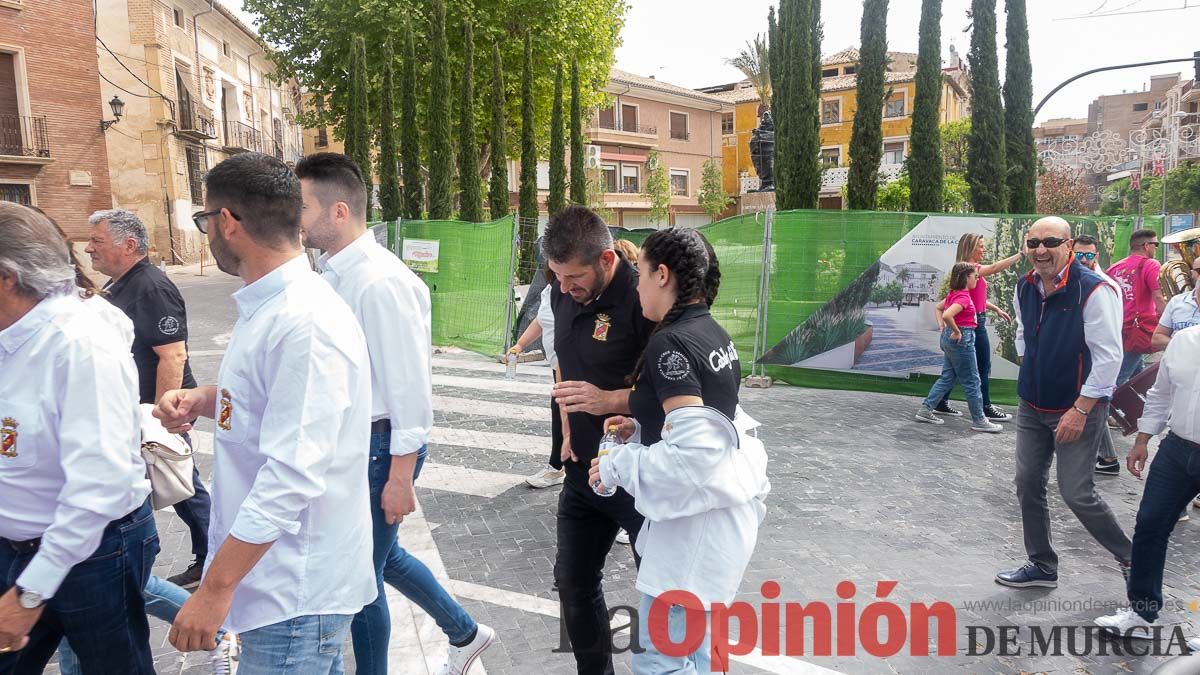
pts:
[1028, 575]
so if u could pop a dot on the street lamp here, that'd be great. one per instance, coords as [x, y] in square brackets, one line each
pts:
[118, 109]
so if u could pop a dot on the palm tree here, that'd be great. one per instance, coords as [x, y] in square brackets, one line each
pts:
[752, 61]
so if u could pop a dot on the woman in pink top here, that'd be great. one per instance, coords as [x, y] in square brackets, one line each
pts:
[971, 249]
[958, 345]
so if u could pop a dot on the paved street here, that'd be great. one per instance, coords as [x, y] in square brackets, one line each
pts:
[861, 492]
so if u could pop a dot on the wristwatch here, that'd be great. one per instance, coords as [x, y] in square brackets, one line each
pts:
[28, 599]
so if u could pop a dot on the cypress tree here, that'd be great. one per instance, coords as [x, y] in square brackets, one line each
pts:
[527, 209]
[924, 163]
[470, 199]
[774, 49]
[1019, 149]
[785, 82]
[358, 134]
[389, 181]
[410, 148]
[498, 184]
[578, 178]
[797, 109]
[866, 143]
[810, 150]
[441, 155]
[985, 145]
[558, 152]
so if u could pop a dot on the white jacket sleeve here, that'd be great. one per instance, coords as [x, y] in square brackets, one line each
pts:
[697, 467]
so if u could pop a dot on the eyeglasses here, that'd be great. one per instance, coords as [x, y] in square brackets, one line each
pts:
[1081, 256]
[201, 219]
[1048, 242]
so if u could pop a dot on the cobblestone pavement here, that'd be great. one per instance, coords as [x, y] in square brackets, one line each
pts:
[861, 493]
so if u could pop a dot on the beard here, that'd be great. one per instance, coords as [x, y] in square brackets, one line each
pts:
[227, 261]
[596, 288]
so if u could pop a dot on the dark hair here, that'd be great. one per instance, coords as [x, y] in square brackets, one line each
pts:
[1087, 240]
[959, 275]
[692, 260]
[1140, 237]
[263, 192]
[339, 177]
[576, 234]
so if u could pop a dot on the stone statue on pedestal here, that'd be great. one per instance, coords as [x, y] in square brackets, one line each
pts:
[762, 152]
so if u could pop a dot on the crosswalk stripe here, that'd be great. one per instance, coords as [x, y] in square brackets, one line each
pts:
[512, 386]
[490, 440]
[464, 480]
[466, 406]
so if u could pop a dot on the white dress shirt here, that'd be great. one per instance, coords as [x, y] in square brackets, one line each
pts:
[1176, 391]
[291, 450]
[70, 432]
[545, 318]
[392, 306]
[1102, 317]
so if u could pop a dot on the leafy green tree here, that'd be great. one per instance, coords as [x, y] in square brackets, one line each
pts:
[441, 153]
[897, 195]
[925, 162]
[712, 196]
[410, 143]
[357, 128]
[866, 140]
[558, 151]
[498, 184]
[527, 209]
[1019, 149]
[657, 188]
[579, 191]
[470, 192]
[389, 180]
[986, 165]
[954, 144]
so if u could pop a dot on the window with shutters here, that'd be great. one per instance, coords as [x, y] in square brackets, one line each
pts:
[629, 179]
[609, 174]
[894, 107]
[679, 182]
[20, 193]
[831, 158]
[831, 112]
[727, 127]
[893, 153]
[196, 168]
[679, 126]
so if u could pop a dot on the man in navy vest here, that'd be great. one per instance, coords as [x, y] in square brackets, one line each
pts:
[1069, 338]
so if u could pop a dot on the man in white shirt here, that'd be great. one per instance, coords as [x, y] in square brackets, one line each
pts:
[289, 537]
[1174, 478]
[77, 535]
[392, 305]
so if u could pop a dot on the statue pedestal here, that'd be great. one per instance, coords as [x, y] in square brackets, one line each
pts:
[754, 202]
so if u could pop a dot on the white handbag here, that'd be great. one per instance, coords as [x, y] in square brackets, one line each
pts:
[168, 462]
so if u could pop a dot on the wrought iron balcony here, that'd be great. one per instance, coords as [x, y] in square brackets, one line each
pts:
[196, 122]
[616, 125]
[24, 136]
[241, 137]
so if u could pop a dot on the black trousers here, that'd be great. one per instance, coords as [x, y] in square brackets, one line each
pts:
[556, 435]
[587, 527]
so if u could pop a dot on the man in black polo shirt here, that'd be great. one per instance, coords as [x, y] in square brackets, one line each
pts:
[117, 246]
[599, 332]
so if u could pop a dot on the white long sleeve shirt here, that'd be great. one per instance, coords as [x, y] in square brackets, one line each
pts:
[70, 432]
[291, 450]
[392, 306]
[1175, 397]
[1102, 317]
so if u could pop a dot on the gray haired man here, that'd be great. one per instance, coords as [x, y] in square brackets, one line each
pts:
[118, 245]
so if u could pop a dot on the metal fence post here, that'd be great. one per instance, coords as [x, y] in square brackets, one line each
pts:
[508, 304]
[758, 378]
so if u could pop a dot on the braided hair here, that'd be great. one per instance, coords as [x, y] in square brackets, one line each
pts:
[693, 262]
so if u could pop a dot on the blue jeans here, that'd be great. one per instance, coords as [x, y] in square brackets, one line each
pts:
[653, 662]
[1131, 365]
[372, 626]
[163, 601]
[304, 645]
[983, 359]
[1173, 480]
[959, 365]
[99, 605]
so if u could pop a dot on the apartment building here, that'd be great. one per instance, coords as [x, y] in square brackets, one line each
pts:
[198, 88]
[52, 147]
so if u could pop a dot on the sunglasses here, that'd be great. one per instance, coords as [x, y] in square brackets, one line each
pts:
[1048, 242]
[1081, 256]
[201, 219]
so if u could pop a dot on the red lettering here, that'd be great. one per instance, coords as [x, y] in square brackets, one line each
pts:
[947, 630]
[770, 619]
[658, 623]
[845, 619]
[747, 632]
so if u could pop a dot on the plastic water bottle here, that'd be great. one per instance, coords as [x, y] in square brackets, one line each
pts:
[608, 441]
[510, 369]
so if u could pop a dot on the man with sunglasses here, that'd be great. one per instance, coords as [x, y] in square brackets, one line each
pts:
[1143, 300]
[1069, 341]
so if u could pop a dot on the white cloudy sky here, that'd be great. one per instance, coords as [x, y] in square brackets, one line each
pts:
[686, 41]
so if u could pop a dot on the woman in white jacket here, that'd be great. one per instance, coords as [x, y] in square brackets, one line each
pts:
[699, 480]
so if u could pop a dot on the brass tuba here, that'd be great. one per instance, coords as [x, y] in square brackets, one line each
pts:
[1176, 276]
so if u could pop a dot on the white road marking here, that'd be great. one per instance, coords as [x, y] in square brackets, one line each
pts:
[460, 479]
[528, 368]
[535, 388]
[466, 406]
[490, 440]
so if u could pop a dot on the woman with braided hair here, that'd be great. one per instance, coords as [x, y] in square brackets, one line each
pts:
[694, 473]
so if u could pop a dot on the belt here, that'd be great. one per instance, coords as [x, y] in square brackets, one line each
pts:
[32, 545]
[382, 426]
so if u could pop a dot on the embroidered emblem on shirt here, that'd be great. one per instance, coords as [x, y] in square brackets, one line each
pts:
[223, 418]
[674, 365]
[603, 323]
[8, 437]
[168, 325]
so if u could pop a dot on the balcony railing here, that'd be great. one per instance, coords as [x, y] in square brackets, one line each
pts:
[622, 190]
[22, 136]
[196, 122]
[616, 125]
[241, 136]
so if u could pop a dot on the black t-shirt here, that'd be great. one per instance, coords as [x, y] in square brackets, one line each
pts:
[598, 343]
[691, 356]
[154, 305]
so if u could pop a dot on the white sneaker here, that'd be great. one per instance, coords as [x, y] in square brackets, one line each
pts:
[987, 427]
[1194, 644]
[224, 659]
[459, 659]
[622, 537]
[547, 477]
[1127, 623]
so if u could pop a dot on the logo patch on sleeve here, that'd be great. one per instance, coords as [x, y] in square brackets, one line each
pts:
[168, 325]
[674, 366]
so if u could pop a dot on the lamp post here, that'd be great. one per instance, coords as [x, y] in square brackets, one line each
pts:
[118, 109]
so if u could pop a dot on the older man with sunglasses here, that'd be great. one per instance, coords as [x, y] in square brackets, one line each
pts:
[1069, 338]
